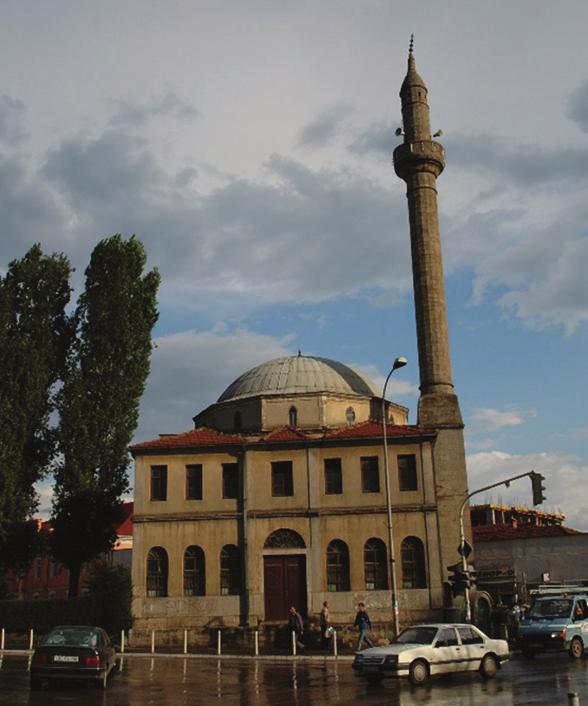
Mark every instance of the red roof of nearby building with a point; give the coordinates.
(125, 529)
(286, 434)
(194, 437)
(373, 429)
(494, 533)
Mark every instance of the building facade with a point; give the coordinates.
(277, 496)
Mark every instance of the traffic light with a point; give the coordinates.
(459, 578)
(538, 487)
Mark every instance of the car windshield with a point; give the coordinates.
(417, 636)
(72, 637)
(552, 608)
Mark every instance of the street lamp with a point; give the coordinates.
(398, 363)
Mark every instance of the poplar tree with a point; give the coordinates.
(104, 380)
(35, 333)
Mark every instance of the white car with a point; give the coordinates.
(422, 651)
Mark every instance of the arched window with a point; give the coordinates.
(230, 570)
(374, 563)
(414, 574)
(293, 417)
(284, 539)
(237, 422)
(157, 572)
(337, 566)
(350, 415)
(194, 576)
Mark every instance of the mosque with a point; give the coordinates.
(277, 496)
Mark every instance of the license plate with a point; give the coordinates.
(66, 658)
(370, 669)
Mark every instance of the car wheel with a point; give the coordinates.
(489, 666)
(36, 684)
(576, 650)
(419, 672)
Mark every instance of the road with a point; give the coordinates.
(166, 681)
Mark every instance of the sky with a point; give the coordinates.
(248, 145)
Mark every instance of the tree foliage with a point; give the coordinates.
(98, 405)
(35, 333)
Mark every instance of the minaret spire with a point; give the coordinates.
(419, 161)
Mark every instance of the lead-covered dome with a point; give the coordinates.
(299, 374)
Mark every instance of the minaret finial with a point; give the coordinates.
(411, 45)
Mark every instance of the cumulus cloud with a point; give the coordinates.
(12, 111)
(564, 474)
(323, 128)
(132, 114)
(488, 419)
(578, 106)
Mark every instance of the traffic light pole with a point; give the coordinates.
(464, 565)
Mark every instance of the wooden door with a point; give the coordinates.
(284, 585)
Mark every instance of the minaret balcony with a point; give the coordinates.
(419, 156)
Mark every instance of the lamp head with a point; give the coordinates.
(399, 363)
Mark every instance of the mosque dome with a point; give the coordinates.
(299, 374)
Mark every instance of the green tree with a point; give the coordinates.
(35, 333)
(99, 402)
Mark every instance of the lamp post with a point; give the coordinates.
(398, 363)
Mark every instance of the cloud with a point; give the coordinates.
(488, 419)
(378, 138)
(578, 106)
(12, 112)
(134, 115)
(564, 475)
(323, 128)
(190, 370)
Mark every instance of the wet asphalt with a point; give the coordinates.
(178, 681)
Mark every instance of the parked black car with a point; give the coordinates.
(73, 652)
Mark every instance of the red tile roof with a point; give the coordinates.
(125, 529)
(374, 429)
(194, 437)
(495, 533)
(286, 434)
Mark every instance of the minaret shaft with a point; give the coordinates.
(419, 161)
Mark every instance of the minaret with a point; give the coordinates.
(419, 161)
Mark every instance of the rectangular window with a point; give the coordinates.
(370, 474)
(158, 482)
(230, 480)
(194, 482)
(333, 477)
(407, 472)
(282, 484)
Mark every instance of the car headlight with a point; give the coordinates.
(359, 659)
(391, 659)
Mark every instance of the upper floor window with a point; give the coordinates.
(407, 472)
(333, 476)
(414, 573)
(337, 566)
(282, 482)
(350, 415)
(230, 480)
(157, 572)
(194, 482)
(230, 570)
(194, 578)
(158, 482)
(293, 417)
(374, 562)
(370, 474)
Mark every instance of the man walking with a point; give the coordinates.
(296, 625)
(363, 624)
(325, 624)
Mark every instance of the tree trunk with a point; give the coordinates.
(74, 580)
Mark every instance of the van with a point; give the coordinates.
(555, 623)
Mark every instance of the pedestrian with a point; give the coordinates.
(325, 624)
(296, 625)
(364, 625)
